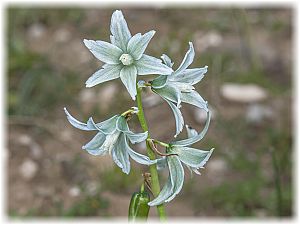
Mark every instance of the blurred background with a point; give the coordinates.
(248, 87)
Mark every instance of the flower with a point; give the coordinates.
(124, 57)
(178, 87)
(112, 138)
(193, 158)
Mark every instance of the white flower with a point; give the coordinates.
(193, 158)
(112, 138)
(124, 57)
(178, 87)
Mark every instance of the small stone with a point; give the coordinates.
(28, 169)
(25, 140)
(74, 191)
(36, 31)
(62, 35)
(204, 41)
(243, 93)
(258, 113)
(36, 150)
(200, 115)
(66, 135)
(260, 213)
(87, 95)
(88, 99)
(92, 188)
(216, 165)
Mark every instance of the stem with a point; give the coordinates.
(153, 171)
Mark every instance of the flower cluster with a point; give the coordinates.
(124, 58)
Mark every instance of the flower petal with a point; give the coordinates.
(119, 30)
(108, 126)
(167, 60)
(188, 59)
(195, 99)
(122, 126)
(138, 44)
(176, 174)
(169, 92)
(128, 76)
(194, 139)
(161, 163)
(76, 123)
(174, 183)
(163, 195)
(191, 156)
(120, 154)
(147, 65)
(178, 117)
(136, 137)
(190, 131)
(159, 82)
(104, 51)
(142, 159)
(93, 147)
(109, 72)
(191, 76)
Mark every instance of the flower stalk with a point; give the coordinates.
(153, 170)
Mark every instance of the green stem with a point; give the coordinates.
(153, 171)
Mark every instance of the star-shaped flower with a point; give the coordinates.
(178, 87)
(112, 138)
(193, 158)
(124, 57)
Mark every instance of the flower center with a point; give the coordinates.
(110, 141)
(126, 59)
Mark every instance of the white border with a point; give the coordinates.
(156, 3)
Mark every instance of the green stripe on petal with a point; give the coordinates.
(191, 76)
(161, 163)
(142, 159)
(178, 117)
(119, 30)
(176, 174)
(104, 51)
(120, 154)
(150, 65)
(136, 137)
(109, 72)
(122, 126)
(169, 92)
(108, 126)
(159, 82)
(138, 44)
(163, 195)
(93, 147)
(195, 99)
(128, 76)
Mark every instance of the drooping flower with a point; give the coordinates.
(112, 138)
(124, 57)
(193, 158)
(178, 87)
